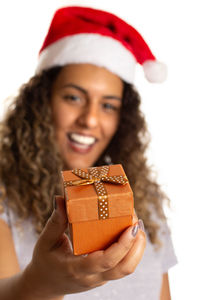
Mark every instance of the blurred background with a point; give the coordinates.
(171, 28)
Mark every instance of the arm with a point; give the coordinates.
(165, 290)
(8, 260)
(55, 271)
(10, 275)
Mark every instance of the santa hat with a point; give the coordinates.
(87, 35)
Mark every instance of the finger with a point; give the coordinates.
(129, 263)
(100, 261)
(56, 225)
(134, 219)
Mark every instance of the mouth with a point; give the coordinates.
(81, 143)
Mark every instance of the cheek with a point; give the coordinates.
(62, 118)
(110, 127)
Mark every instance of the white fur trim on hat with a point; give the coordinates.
(90, 48)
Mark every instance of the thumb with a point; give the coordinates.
(56, 225)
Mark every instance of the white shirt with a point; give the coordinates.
(143, 284)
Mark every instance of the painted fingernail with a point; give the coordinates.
(141, 225)
(135, 230)
(84, 255)
(54, 202)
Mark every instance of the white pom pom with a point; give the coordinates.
(155, 71)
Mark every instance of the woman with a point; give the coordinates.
(80, 110)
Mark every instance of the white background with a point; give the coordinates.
(172, 30)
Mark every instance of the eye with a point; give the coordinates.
(71, 98)
(110, 107)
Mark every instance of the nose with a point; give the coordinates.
(89, 117)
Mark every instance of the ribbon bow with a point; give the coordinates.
(97, 176)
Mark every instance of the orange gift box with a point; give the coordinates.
(99, 204)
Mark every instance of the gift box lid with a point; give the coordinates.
(82, 201)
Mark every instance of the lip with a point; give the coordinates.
(76, 147)
(83, 133)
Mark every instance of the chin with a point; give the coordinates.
(81, 164)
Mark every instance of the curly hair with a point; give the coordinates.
(30, 161)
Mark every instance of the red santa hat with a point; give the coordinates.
(87, 35)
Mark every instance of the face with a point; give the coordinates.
(86, 102)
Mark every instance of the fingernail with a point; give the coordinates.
(54, 202)
(84, 255)
(141, 225)
(135, 230)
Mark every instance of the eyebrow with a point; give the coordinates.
(79, 88)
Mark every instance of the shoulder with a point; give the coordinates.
(4, 212)
(8, 259)
(168, 254)
(18, 238)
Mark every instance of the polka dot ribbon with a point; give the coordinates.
(97, 176)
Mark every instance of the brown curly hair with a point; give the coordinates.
(30, 162)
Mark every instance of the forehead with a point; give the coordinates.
(90, 77)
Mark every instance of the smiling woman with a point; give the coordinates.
(80, 110)
(86, 102)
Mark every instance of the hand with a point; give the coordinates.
(55, 271)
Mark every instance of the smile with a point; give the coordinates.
(81, 143)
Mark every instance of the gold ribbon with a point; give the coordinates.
(97, 176)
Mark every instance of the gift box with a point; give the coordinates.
(99, 203)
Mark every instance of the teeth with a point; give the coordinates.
(82, 139)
